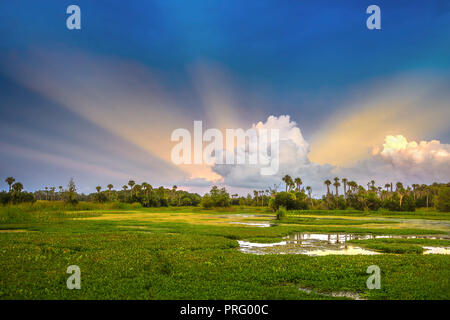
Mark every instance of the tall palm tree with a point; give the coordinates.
(336, 184)
(146, 187)
(415, 189)
(353, 186)
(98, 188)
(309, 189)
(46, 193)
(131, 183)
(400, 190)
(426, 190)
(52, 193)
(387, 185)
(328, 182)
(10, 181)
(109, 186)
(125, 188)
(18, 187)
(60, 192)
(344, 181)
(288, 180)
(298, 182)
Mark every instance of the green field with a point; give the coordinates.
(129, 252)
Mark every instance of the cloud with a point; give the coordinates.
(413, 105)
(395, 160)
(293, 160)
(426, 161)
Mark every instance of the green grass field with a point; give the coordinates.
(129, 252)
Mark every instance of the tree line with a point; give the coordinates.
(340, 194)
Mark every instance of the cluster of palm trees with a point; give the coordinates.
(353, 188)
(134, 189)
(13, 185)
(146, 193)
(50, 193)
(295, 184)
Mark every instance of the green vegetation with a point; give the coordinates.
(295, 197)
(401, 245)
(443, 201)
(157, 243)
(281, 213)
(127, 251)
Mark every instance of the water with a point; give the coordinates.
(254, 224)
(436, 250)
(346, 294)
(321, 244)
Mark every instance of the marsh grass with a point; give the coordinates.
(192, 253)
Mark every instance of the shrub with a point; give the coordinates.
(443, 200)
(373, 202)
(136, 205)
(392, 203)
(216, 198)
(408, 203)
(286, 200)
(281, 213)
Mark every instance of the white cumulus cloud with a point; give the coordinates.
(397, 159)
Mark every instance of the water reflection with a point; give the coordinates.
(254, 224)
(320, 244)
(436, 250)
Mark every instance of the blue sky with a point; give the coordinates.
(306, 59)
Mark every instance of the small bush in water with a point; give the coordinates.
(281, 213)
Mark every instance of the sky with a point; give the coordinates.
(99, 104)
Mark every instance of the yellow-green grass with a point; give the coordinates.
(192, 253)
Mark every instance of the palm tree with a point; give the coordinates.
(109, 186)
(10, 181)
(415, 188)
(17, 187)
(426, 189)
(131, 183)
(125, 187)
(344, 181)
(174, 190)
(298, 182)
(328, 182)
(60, 192)
(147, 187)
(353, 186)
(52, 192)
(288, 180)
(46, 193)
(400, 190)
(337, 185)
(387, 185)
(98, 188)
(309, 189)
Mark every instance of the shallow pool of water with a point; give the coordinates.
(253, 224)
(321, 244)
(436, 250)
